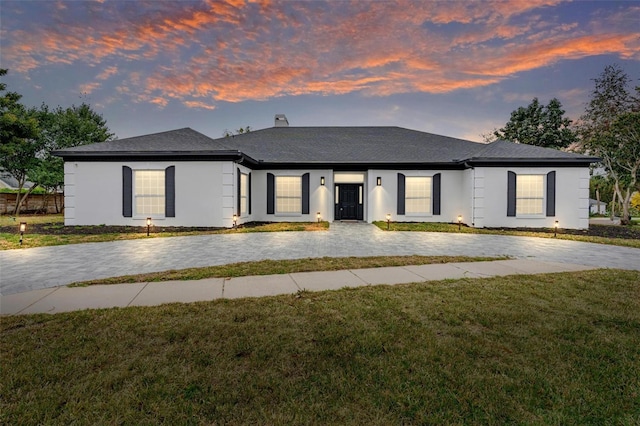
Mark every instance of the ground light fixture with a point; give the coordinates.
(148, 225)
(459, 222)
(555, 228)
(235, 220)
(388, 220)
(23, 227)
(318, 216)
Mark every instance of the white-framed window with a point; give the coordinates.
(244, 194)
(529, 195)
(418, 195)
(148, 192)
(288, 194)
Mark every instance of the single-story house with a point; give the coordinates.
(596, 207)
(184, 178)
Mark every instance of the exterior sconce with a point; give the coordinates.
(322, 180)
(148, 225)
(23, 227)
(379, 181)
(318, 216)
(555, 228)
(235, 220)
(459, 221)
(388, 220)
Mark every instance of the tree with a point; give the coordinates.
(19, 143)
(64, 128)
(539, 125)
(228, 134)
(610, 129)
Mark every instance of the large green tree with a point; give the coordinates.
(540, 125)
(19, 142)
(610, 129)
(64, 128)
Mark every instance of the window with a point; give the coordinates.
(529, 195)
(288, 194)
(418, 195)
(244, 194)
(149, 196)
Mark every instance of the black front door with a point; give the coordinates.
(349, 202)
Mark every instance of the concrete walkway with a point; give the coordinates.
(64, 299)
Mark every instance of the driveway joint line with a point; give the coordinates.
(43, 297)
(137, 294)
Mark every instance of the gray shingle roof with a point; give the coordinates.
(328, 145)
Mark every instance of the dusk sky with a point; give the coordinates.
(456, 68)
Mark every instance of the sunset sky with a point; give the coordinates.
(455, 68)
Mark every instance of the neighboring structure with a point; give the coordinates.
(597, 208)
(184, 178)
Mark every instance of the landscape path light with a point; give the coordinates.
(459, 222)
(23, 227)
(388, 220)
(235, 220)
(148, 225)
(318, 216)
(555, 228)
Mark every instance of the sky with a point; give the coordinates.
(455, 68)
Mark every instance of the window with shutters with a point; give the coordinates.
(418, 195)
(148, 193)
(529, 195)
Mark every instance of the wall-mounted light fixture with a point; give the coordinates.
(459, 221)
(235, 220)
(318, 216)
(322, 180)
(148, 225)
(555, 228)
(379, 181)
(23, 227)
(388, 220)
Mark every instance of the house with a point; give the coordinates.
(596, 207)
(283, 173)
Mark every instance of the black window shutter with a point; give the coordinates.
(305, 193)
(249, 195)
(239, 193)
(551, 193)
(511, 194)
(436, 194)
(401, 183)
(271, 193)
(170, 191)
(127, 191)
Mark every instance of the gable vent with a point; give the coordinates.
(281, 120)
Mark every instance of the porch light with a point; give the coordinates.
(459, 221)
(322, 180)
(23, 227)
(388, 220)
(235, 220)
(148, 225)
(555, 228)
(379, 181)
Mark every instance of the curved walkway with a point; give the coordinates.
(44, 267)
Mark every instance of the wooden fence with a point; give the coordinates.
(35, 203)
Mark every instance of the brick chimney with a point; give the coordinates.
(281, 120)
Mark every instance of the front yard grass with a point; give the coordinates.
(626, 236)
(288, 266)
(542, 349)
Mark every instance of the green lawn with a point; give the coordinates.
(543, 349)
(561, 234)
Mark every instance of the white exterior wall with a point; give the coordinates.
(320, 197)
(572, 198)
(204, 193)
(383, 199)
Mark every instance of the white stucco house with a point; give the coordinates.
(283, 173)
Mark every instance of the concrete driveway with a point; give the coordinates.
(44, 267)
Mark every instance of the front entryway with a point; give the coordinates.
(349, 202)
